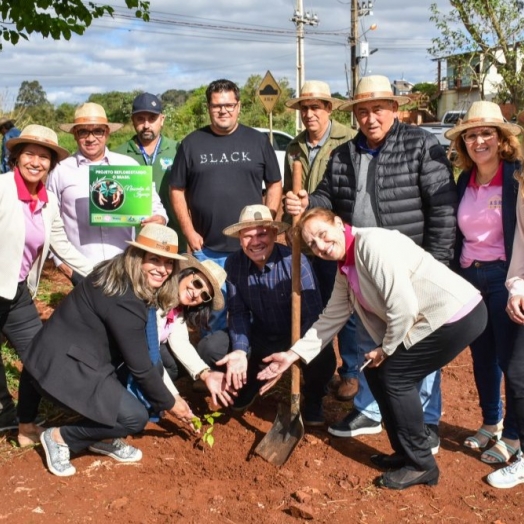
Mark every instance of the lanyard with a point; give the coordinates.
(149, 160)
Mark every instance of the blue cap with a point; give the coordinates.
(147, 102)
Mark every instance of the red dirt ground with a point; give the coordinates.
(326, 479)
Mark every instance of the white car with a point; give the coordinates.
(280, 142)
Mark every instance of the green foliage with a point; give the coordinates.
(209, 419)
(31, 94)
(117, 104)
(9, 357)
(493, 29)
(55, 19)
(430, 90)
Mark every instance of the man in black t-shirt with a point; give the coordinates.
(218, 170)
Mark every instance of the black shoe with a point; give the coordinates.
(8, 420)
(246, 396)
(355, 424)
(313, 414)
(383, 461)
(405, 478)
(433, 438)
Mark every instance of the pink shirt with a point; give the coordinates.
(480, 221)
(34, 223)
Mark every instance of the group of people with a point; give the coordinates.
(404, 266)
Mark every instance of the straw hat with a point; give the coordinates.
(157, 239)
(314, 90)
(41, 136)
(374, 87)
(482, 114)
(213, 272)
(254, 216)
(90, 114)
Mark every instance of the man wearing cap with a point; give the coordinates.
(149, 147)
(217, 171)
(396, 176)
(70, 183)
(313, 148)
(259, 310)
(8, 130)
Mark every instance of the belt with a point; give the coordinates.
(480, 263)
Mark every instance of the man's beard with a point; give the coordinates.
(147, 136)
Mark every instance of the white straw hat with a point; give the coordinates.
(158, 239)
(254, 216)
(90, 114)
(314, 90)
(41, 136)
(374, 87)
(483, 113)
(213, 272)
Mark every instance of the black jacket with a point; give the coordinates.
(415, 190)
(74, 357)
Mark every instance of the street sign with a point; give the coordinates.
(269, 92)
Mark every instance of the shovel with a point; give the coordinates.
(288, 429)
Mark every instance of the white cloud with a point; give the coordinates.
(126, 54)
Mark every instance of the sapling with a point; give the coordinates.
(209, 419)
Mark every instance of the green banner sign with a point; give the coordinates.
(120, 196)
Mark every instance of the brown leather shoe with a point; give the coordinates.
(347, 389)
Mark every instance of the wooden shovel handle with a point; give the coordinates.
(295, 282)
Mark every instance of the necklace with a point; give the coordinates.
(483, 180)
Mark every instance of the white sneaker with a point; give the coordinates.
(57, 455)
(508, 477)
(118, 450)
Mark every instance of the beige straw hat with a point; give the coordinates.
(157, 239)
(213, 272)
(254, 216)
(41, 136)
(482, 114)
(90, 114)
(314, 90)
(374, 87)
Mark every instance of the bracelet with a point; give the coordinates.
(197, 377)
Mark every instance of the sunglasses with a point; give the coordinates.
(485, 134)
(199, 285)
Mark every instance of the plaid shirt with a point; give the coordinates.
(260, 300)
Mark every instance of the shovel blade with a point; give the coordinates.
(280, 441)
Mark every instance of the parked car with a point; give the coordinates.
(449, 119)
(281, 140)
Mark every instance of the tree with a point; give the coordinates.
(30, 94)
(492, 29)
(430, 90)
(55, 19)
(117, 104)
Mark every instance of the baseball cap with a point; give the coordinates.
(147, 102)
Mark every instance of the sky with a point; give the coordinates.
(189, 44)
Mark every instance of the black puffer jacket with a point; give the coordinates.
(415, 190)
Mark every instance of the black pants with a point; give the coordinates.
(515, 378)
(394, 384)
(19, 322)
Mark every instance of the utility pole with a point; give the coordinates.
(353, 42)
(300, 19)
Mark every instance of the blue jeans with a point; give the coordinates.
(492, 349)
(429, 387)
(325, 271)
(515, 379)
(217, 319)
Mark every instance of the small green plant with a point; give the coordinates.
(209, 419)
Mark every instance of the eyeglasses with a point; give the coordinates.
(216, 108)
(199, 285)
(485, 134)
(97, 132)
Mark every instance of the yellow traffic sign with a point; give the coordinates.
(269, 92)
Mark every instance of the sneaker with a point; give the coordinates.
(57, 455)
(118, 449)
(433, 438)
(313, 414)
(347, 389)
(508, 477)
(246, 396)
(355, 424)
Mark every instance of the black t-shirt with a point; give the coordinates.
(221, 175)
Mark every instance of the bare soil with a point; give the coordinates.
(326, 480)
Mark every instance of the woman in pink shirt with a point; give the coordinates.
(489, 153)
(30, 226)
